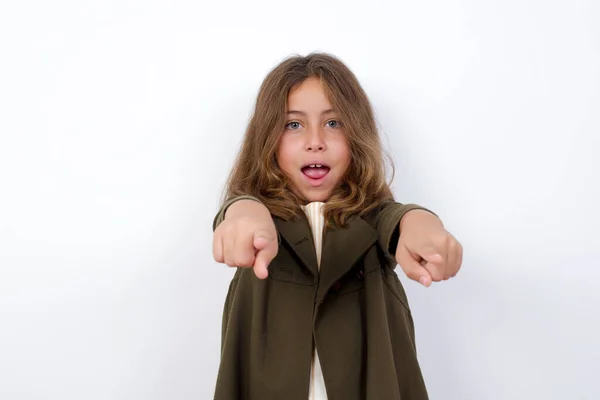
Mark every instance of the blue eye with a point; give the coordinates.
(333, 124)
(293, 125)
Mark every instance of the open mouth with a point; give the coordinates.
(315, 171)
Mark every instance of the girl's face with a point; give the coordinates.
(313, 151)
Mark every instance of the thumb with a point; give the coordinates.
(412, 267)
(261, 239)
(430, 255)
(266, 249)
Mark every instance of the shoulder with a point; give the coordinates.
(374, 212)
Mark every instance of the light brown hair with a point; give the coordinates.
(256, 172)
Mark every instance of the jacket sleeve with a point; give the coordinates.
(227, 307)
(221, 214)
(388, 224)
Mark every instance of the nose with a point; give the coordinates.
(315, 140)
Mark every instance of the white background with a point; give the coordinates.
(119, 121)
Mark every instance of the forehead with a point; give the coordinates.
(308, 96)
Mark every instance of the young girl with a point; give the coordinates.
(315, 309)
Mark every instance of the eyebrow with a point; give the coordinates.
(331, 110)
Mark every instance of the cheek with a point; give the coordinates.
(343, 152)
(284, 153)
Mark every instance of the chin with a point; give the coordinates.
(309, 194)
(310, 197)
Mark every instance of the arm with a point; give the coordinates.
(416, 238)
(225, 207)
(388, 223)
(245, 235)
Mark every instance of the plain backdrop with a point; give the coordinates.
(119, 121)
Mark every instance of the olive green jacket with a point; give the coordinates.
(354, 311)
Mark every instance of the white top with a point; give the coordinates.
(314, 213)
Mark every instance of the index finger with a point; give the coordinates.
(263, 258)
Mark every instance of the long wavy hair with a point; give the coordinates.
(255, 171)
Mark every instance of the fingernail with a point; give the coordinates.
(424, 281)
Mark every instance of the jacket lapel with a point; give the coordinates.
(298, 235)
(342, 248)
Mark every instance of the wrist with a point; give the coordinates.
(418, 217)
(245, 207)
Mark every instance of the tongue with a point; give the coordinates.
(315, 173)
